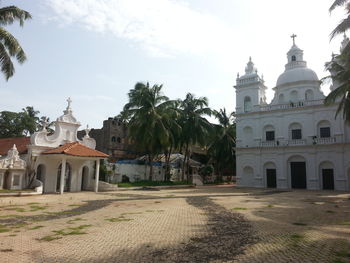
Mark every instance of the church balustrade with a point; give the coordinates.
(269, 143)
(290, 105)
(327, 140)
(296, 142)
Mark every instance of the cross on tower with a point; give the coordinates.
(69, 102)
(293, 36)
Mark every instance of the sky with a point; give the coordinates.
(95, 51)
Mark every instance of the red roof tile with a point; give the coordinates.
(21, 144)
(76, 149)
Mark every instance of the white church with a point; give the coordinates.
(295, 141)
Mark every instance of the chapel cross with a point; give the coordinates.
(69, 102)
(293, 36)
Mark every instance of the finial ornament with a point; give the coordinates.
(69, 100)
(45, 123)
(87, 130)
(293, 36)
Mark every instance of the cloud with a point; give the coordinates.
(160, 27)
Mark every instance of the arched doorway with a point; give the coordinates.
(327, 175)
(270, 175)
(40, 174)
(67, 178)
(297, 166)
(248, 176)
(84, 178)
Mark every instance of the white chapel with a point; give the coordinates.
(295, 141)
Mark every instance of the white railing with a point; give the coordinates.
(327, 140)
(268, 144)
(290, 105)
(296, 142)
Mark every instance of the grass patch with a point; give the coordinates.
(169, 195)
(299, 224)
(18, 225)
(239, 208)
(12, 235)
(50, 238)
(74, 205)
(33, 203)
(35, 227)
(150, 211)
(4, 229)
(330, 211)
(34, 208)
(346, 223)
(153, 183)
(157, 202)
(270, 206)
(11, 216)
(16, 191)
(72, 221)
(118, 219)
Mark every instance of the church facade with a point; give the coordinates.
(295, 141)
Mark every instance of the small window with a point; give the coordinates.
(296, 134)
(294, 58)
(270, 135)
(119, 140)
(325, 132)
(113, 139)
(16, 178)
(247, 104)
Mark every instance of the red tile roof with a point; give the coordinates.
(76, 149)
(21, 144)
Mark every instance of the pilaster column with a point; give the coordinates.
(97, 175)
(63, 174)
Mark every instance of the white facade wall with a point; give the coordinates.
(299, 107)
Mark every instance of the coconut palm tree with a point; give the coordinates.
(9, 46)
(195, 127)
(339, 66)
(149, 114)
(344, 25)
(221, 150)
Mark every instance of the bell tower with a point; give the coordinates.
(250, 90)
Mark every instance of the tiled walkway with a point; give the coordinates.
(209, 224)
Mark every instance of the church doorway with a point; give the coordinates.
(40, 174)
(298, 175)
(328, 179)
(67, 178)
(271, 178)
(84, 178)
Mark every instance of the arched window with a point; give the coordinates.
(295, 131)
(324, 129)
(294, 96)
(248, 136)
(119, 140)
(40, 173)
(309, 95)
(247, 104)
(113, 139)
(269, 133)
(294, 58)
(281, 99)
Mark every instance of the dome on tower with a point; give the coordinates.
(296, 69)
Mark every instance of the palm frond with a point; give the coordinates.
(10, 14)
(7, 67)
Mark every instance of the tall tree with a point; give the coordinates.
(9, 46)
(195, 127)
(30, 120)
(149, 119)
(221, 150)
(339, 66)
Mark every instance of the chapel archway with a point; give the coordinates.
(84, 178)
(40, 174)
(67, 178)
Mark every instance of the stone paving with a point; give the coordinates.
(203, 224)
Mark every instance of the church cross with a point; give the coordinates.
(293, 36)
(69, 102)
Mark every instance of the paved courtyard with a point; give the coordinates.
(203, 224)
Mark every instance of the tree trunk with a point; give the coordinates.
(150, 159)
(184, 164)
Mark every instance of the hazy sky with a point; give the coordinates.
(94, 51)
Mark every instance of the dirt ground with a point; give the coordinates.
(203, 224)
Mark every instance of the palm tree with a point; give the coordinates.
(339, 66)
(344, 25)
(195, 127)
(149, 119)
(9, 46)
(223, 143)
